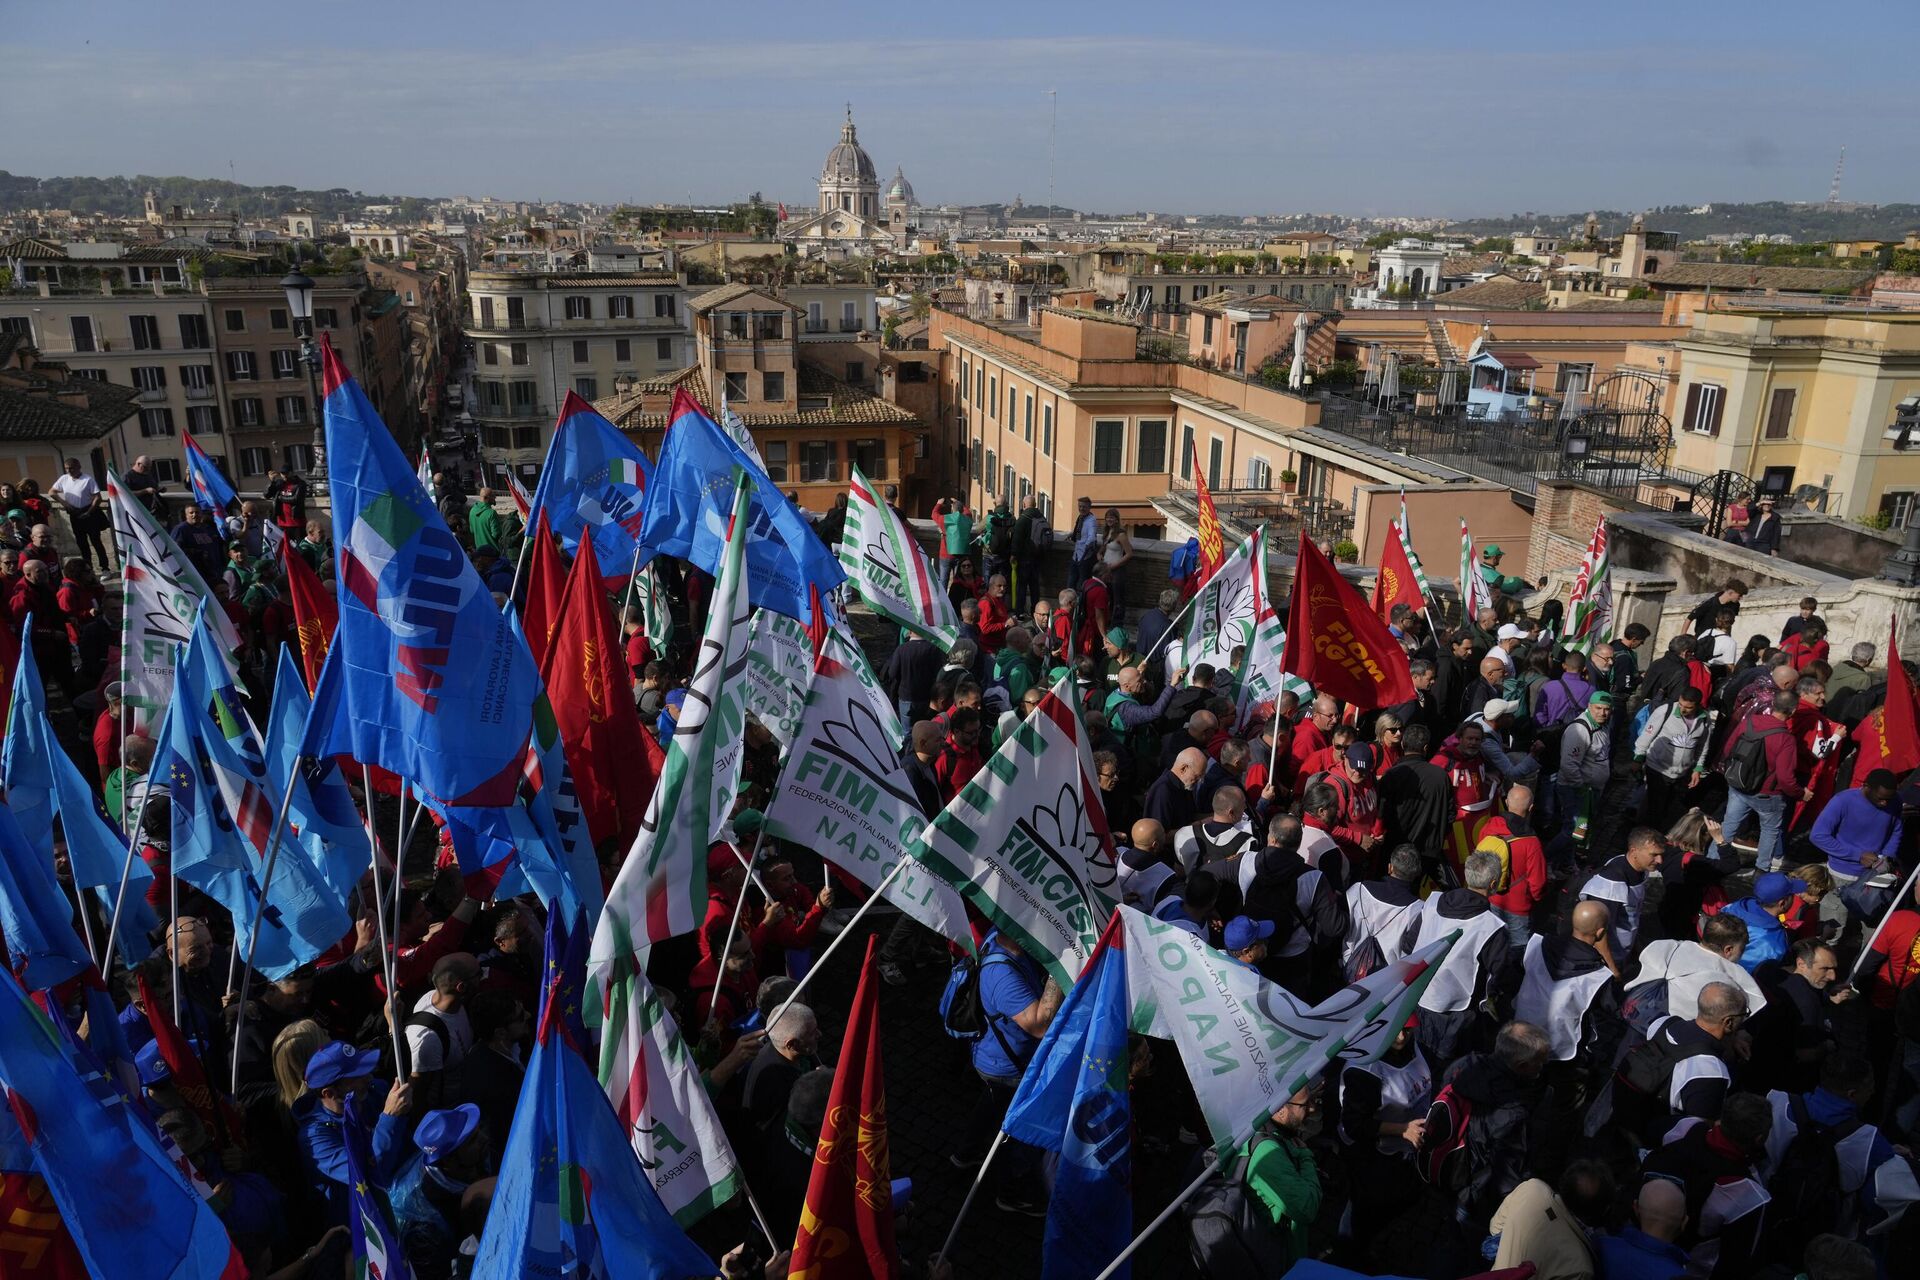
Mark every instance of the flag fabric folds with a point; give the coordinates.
(1224, 610)
(1420, 582)
(153, 1226)
(846, 1221)
(210, 488)
(546, 585)
(656, 611)
(1259, 681)
(1395, 581)
(594, 480)
(435, 687)
(890, 571)
(162, 592)
(779, 673)
(1026, 840)
(315, 613)
(1590, 608)
(1475, 594)
(1335, 643)
(1213, 547)
(323, 824)
(522, 500)
(36, 920)
(377, 1252)
(687, 506)
(591, 694)
(661, 890)
(1073, 1099)
(572, 1198)
(189, 1074)
(1889, 737)
(1247, 1043)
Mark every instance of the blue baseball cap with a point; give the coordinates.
(1774, 887)
(153, 1068)
(440, 1133)
(339, 1061)
(1244, 931)
(676, 698)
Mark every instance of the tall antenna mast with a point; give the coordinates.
(1053, 131)
(1833, 192)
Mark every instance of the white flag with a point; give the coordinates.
(656, 1090)
(890, 571)
(163, 593)
(844, 794)
(736, 426)
(1247, 1043)
(1225, 610)
(779, 673)
(1026, 840)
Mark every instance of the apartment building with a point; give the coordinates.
(431, 295)
(47, 415)
(540, 333)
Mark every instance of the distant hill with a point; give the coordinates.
(1806, 223)
(125, 197)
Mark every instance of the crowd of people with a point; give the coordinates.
(1660, 1047)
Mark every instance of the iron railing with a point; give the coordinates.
(1283, 511)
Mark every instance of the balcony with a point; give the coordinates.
(816, 326)
(502, 324)
(200, 393)
(851, 326)
(151, 395)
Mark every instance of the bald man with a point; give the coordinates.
(1170, 800)
(1647, 1248)
(1680, 1071)
(1132, 717)
(1570, 988)
(1146, 869)
(1196, 731)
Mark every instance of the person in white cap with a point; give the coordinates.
(1497, 717)
(1509, 638)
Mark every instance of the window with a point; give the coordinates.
(870, 456)
(518, 353)
(526, 437)
(1006, 482)
(849, 317)
(489, 353)
(17, 324)
(197, 379)
(587, 389)
(619, 307)
(277, 318)
(1046, 429)
(582, 352)
(975, 468)
(292, 410)
(1206, 330)
(236, 320)
(979, 381)
(663, 349)
(1780, 413)
(97, 375)
(665, 307)
(965, 379)
(773, 386)
(736, 324)
(993, 397)
(623, 350)
(1186, 451)
(299, 458)
(193, 333)
(325, 318)
(240, 366)
(1705, 402)
(167, 470)
(203, 419)
(992, 468)
(516, 313)
(520, 399)
(151, 378)
(856, 372)
(1570, 378)
(286, 363)
(774, 453)
(816, 318)
(1259, 474)
(1046, 505)
(579, 306)
(1026, 421)
(1898, 508)
(82, 332)
(247, 411)
(256, 461)
(156, 422)
(1012, 405)
(1109, 443)
(1216, 448)
(1151, 443)
(493, 396)
(816, 460)
(146, 332)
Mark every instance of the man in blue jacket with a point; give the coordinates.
(340, 1081)
(1859, 831)
(1766, 935)
(1646, 1249)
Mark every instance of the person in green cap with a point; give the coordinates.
(1490, 556)
(483, 522)
(1586, 763)
(1120, 653)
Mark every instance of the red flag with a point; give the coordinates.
(816, 625)
(846, 1223)
(591, 693)
(315, 612)
(34, 1241)
(1335, 643)
(1213, 547)
(222, 1121)
(1898, 728)
(1394, 583)
(546, 583)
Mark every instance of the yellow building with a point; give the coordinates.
(1802, 397)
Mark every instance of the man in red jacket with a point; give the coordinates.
(959, 757)
(1472, 781)
(1769, 800)
(1359, 828)
(1816, 762)
(1509, 833)
(995, 615)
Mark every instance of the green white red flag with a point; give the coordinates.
(656, 614)
(1590, 609)
(1225, 610)
(779, 673)
(888, 569)
(1475, 594)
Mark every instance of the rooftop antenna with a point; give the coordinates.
(1833, 192)
(1053, 130)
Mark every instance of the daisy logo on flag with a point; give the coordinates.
(1061, 835)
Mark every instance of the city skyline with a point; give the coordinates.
(1418, 118)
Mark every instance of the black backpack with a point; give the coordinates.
(1807, 1197)
(1229, 1232)
(999, 537)
(1040, 534)
(1746, 767)
(961, 1011)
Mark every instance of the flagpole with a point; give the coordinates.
(133, 841)
(626, 602)
(259, 910)
(759, 1216)
(1906, 891)
(979, 1177)
(1133, 1247)
(733, 926)
(173, 923)
(86, 920)
(844, 934)
(388, 959)
(400, 834)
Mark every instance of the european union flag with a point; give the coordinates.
(571, 1198)
(594, 478)
(691, 498)
(435, 688)
(565, 988)
(321, 820)
(1074, 1100)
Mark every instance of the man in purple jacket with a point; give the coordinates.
(1859, 831)
(1566, 695)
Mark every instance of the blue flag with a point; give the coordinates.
(565, 986)
(434, 687)
(691, 498)
(321, 819)
(1073, 1099)
(377, 1252)
(572, 1198)
(223, 813)
(130, 1211)
(594, 479)
(35, 917)
(210, 488)
(26, 766)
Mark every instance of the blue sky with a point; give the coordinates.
(1387, 108)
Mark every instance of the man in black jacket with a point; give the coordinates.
(1416, 799)
(1666, 675)
(1707, 612)
(1506, 1090)
(910, 672)
(1452, 674)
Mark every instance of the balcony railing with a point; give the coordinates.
(151, 395)
(501, 324)
(199, 393)
(851, 326)
(816, 326)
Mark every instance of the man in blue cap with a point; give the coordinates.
(340, 1079)
(1246, 940)
(454, 1154)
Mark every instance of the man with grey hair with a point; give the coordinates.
(1506, 1091)
(1847, 686)
(1452, 1005)
(1386, 913)
(790, 1051)
(1680, 1070)
(1170, 800)
(1152, 629)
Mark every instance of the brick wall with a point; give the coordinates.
(1563, 518)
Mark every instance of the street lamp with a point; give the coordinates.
(299, 287)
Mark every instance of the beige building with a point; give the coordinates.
(851, 219)
(48, 415)
(539, 334)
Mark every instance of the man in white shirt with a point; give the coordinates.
(80, 499)
(438, 1032)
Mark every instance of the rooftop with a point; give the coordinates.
(726, 293)
(1502, 294)
(44, 401)
(846, 405)
(1742, 275)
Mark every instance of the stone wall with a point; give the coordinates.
(1839, 545)
(1699, 564)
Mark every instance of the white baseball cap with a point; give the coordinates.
(1513, 631)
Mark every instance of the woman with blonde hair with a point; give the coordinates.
(297, 1042)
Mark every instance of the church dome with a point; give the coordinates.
(900, 189)
(848, 161)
